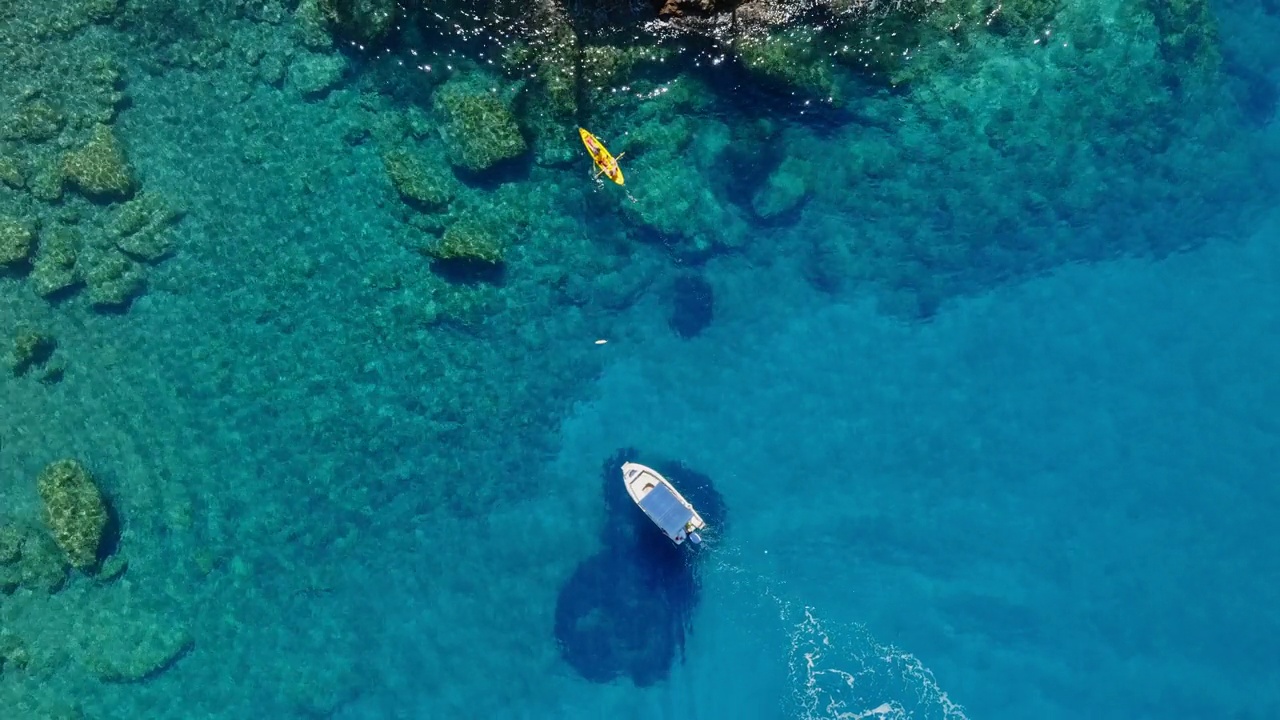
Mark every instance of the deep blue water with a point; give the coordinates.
(974, 381)
(1051, 497)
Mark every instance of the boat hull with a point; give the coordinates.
(659, 500)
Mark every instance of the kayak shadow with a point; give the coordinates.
(626, 610)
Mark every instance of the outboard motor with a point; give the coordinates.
(695, 537)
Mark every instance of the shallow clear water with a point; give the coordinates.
(973, 381)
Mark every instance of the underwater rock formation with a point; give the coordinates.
(31, 348)
(74, 511)
(54, 267)
(99, 169)
(113, 280)
(313, 75)
(16, 241)
(783, 191)
(698, 15)
(13, 653)
(625, 611)
(479, 128)
(10, 544)
(141, 228)
(30, 559)
(467, 240)
(364, 22)
(421, 183)
(137, 649)
(10, 554)
(692, 306)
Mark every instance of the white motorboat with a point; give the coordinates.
(659, 500)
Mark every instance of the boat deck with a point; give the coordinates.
(666, 510)
(661, 502)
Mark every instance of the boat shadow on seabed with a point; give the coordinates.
(626, 609)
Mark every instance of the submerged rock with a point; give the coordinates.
(16, 241)
(43, 566)
(31, 348)
(113, 280)
(468, 240)
(112, 568)
(141, 228)
(363, 22)
(420, 182)
(74, 510)
(314, 74)
(11, 173)
(13, 653)
(10, 545)
(136, 648)
(99, 169)
(479, 129)
(54, 267)
(682, 8)
(35, 121)
(783, 192)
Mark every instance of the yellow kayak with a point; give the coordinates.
(607, 163)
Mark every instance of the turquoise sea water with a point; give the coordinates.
(973, 378)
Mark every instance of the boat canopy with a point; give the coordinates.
(665, 509)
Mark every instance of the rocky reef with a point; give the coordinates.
(479, 129)
(67, 175)
(30, 559)
(74, 510)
